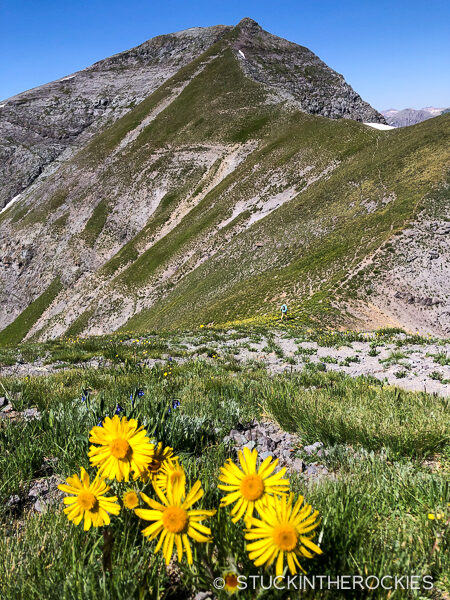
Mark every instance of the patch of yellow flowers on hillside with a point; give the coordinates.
(279, 528)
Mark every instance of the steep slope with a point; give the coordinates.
(211, 200)
(50, 122)
(37, 126)
(296, 74)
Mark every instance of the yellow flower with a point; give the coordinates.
(171, 473)
(165, 374)
(431, 516)
(201, 326)
(124, 448)
(159, 457)
(174, 522)
(282, 531)
(250, 487)
(88, 500)
(130, 499)
(231, 582)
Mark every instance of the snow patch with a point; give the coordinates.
(10, 203)
(380, 126)
(67, 78)
(241, 53)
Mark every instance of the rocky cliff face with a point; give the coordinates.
(296, 74)
(37, 126)
(51, 121)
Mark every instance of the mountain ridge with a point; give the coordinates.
(39, 125)
(213, 200)
(410, 116)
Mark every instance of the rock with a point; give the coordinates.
(3, 401)
(44, 492)
(271, 445)
(8, 408)
(311, 469)
(297, 465)
(264, 435)
(264, 455)
(203, 596)
(39, 506)
(13, 500)
(31, 414)
(313, 448)
(240, 439)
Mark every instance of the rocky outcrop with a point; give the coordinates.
(37, 126)
(296, 74)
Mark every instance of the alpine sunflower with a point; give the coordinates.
(231, 582)
(250, 487)
(159, 458)
(282, 530)
(173, 521)
(130, 499)
(88, 500)
(124, 448)
(170, 473)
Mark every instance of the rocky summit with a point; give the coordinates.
(207, 176)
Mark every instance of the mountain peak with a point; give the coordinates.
(248, 23)
(158, 187)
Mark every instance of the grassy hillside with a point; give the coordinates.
(311, 242)
(211, 202)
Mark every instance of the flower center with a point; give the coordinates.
(175, 519)
(120, 448)
(252, 487)
(285, 537)
(154, 465)
(130, 500)
(87, 500)
(231, 580)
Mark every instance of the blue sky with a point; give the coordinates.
(395, 54)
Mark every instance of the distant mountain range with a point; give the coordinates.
(209, 176)
(411, 116)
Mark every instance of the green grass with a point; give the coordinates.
(374, 511)
(96, 222)
(38, 214)
(358, 412)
